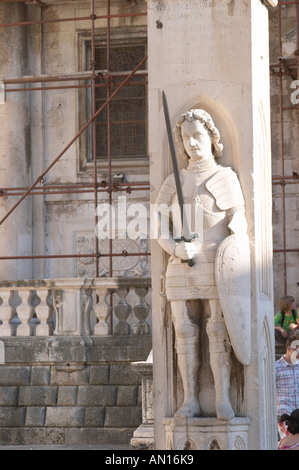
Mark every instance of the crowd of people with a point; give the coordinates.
(286, 324)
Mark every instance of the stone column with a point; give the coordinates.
(143, 437)
(214, 55)
(16, 230)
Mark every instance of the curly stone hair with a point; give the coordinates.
(204, 118)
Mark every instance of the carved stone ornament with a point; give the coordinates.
(129, 266)
(270, 3)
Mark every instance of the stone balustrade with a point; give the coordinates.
(103, 306)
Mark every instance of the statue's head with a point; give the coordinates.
(204, 118)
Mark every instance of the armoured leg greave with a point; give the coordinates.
(220, 360)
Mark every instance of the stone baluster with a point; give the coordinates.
(42, 310)
(5, 313)
(122, 310)
(102, 312)
(57, 302)
(141, 311)
(25, 312)
(51, 320)
(86, 305)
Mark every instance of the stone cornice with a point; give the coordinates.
(270, 3)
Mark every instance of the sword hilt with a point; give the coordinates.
(190, 262)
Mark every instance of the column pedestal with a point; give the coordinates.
(143, 437)
(206, 434)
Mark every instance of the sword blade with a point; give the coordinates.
(175, 166)
(176, 171)
(186, 232)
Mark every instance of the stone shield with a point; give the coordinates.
(232, 270)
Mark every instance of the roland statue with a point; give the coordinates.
(219, 273)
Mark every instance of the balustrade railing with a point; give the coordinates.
(102, 306)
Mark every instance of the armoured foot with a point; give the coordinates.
(189, 409)
(225, 411)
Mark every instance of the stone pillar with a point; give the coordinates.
(214, 55)
(16, 230)
(143, 437)
(207, 434)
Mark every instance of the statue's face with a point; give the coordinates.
(197, 140)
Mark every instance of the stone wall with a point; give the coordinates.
(285, 157)
(71, 390)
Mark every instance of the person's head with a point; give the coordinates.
(292, 348)
(286, 303)
(292, 421)
(197, 135)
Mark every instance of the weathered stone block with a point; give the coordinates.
(30, 435)
(35, 416)
(14, 375)
(123, 416)
(98, 395)
(67, 395)
(71, 350)
(124, 374)
(26, 349)
(40, 375)
(98, 435)
(127, 395)
(64, 416)
(69, 374)
(99, 375)
(38, 395)
(94, 416)
(120, 349)
(8, 396)
(11, 416)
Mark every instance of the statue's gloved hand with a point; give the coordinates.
(187, 250)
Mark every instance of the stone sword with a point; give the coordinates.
(178, 183)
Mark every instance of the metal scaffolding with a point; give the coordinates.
(95, 78)
(282, 68)
(285, 67)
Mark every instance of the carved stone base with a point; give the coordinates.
(143, 438)
(206, 434)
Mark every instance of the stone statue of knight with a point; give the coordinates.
(220, 254)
